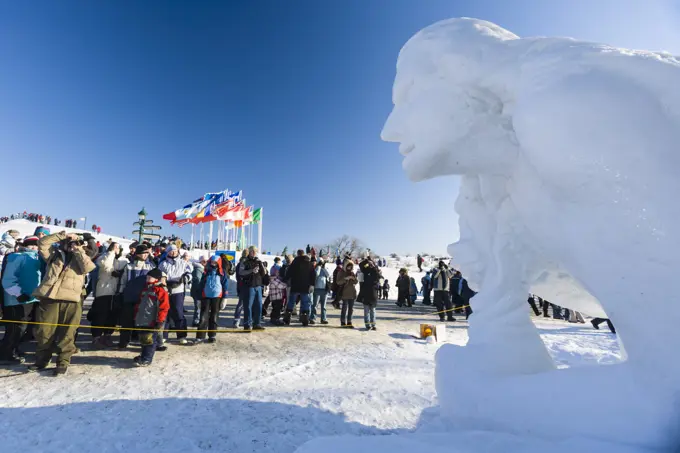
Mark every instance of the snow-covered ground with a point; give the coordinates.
(260, 392)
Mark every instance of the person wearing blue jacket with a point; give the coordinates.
(213, 288)
(21, 277)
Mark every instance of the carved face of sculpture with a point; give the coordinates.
(444, 121)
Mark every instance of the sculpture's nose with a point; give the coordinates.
(391, 130)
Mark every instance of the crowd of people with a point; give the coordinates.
(561, 313)
(46, 277)
(45, 219)
(441, 286)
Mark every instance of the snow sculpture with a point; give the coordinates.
(568, 153)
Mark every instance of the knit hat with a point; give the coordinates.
(155, 273)
(30, 240)
(134, 245)
(41, 229)
(171, 247)
(141, 249)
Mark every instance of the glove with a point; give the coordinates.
(223, 304)
(311, 288)
(23, 298)
(116, 273)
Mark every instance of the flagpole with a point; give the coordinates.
(219, 234)
(191, 244)
(259, 232)
(202, 240)
(210, 239)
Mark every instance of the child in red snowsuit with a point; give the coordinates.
(151, 312)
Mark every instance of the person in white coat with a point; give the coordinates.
(176, 269)
(104, 310)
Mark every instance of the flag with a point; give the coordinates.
(199, 208)
(257, 215)
(236, 196)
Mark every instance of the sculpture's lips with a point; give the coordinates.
(405, 149)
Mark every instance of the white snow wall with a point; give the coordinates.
(568, 153)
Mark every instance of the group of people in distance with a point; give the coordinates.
(304, 279)
(443, 286)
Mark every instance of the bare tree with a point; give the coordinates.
(345, 245)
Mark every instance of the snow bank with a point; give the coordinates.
(568, 154)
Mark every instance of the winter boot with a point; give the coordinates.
(304, 318)
(107, 340)
(286, 317)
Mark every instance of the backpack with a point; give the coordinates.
(213, 285)
(266, 279)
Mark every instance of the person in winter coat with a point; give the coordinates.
(420, 263)
(413, 291)
(276, 267)
(8, 242)
(532, 303)
(132, 282)
(196, 294)
(386, 289)
(404, 288)
(241, 290)
(597, 321)
(60, 294)
(277, 295)
(213, 288)
(461, 294)
(301, 277)
(20, 278)
(321, 285)
(104, 310)
(151, 312)
(441, 278)
(334, 284)
(176, 268)
(252, 272)
(347, 281)
(426, 281)
(368, 289)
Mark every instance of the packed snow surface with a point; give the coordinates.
(261, 392)
(568, 156)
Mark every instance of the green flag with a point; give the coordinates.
(257, 215)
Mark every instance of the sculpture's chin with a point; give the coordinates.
(420, 166)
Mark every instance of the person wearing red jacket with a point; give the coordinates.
(151, 312)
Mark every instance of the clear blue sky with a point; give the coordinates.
(106, 107)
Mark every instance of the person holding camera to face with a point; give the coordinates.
(69, 260)
(441, 278)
